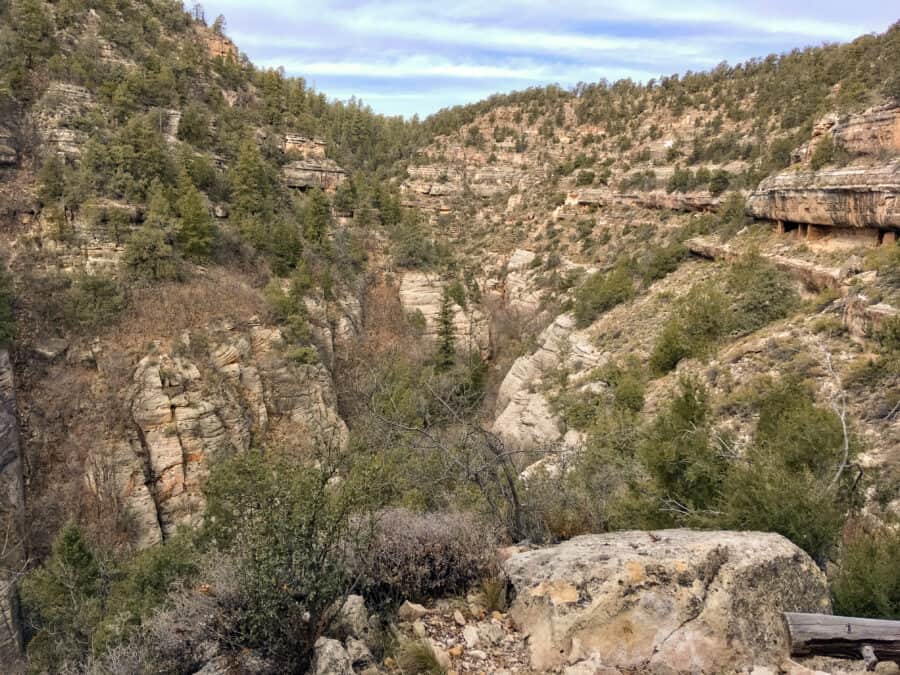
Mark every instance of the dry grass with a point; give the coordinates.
(167, 310)
(493, 590)
(416, 657)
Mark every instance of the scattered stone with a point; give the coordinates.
(470, 635)
(330, 658)
(459, 618)
(455, 651)
(410, 611)
(443, 658)
(353, 619)
(490, 632)
(51, 348)
(359, 653)
(477, 654)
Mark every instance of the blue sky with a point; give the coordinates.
(408, 56)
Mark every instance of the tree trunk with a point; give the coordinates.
(845, 637)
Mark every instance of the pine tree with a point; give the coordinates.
(316, 217)
(52, 180)
(159, 208)
(446, 354)
(197, 233)
(34, 30)
(251, 187)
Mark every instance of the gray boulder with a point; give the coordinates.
(694, 601)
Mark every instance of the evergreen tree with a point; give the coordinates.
(62, 600)
(7, 319)
(148, 255)
(34, 30)
(197, 233)
(52, 180)
(316, 217)
(446, 353)
(251, 186)
(159, 208)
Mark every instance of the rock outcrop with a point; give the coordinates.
(12, 506)
(310, 168)
(865, 194)
(8, 155)
(423, 293)
(304, 174)
(219, 47)
(872, 132)
(199, 402)
(525, 418)
(811, 275)
(57, 115)
(693, 601)
(853, 196)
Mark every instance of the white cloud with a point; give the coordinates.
(516, 43)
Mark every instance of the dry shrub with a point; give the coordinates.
(167, 310)
(195, 623)
(417, 556)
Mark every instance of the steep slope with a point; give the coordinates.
(210, 259)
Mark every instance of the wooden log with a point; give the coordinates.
(843, 637)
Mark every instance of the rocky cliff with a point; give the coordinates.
(209, 395)
(863, 194)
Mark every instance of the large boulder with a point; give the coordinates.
(692, 601)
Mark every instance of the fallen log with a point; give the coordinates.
(843, 637)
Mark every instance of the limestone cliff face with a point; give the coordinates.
(199, 401)
(310, 168)
(422, 292)
(56, 117)
(12, 505)
(865, 194)
(853, 196)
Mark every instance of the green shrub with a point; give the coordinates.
(888, 336)
(62, 601)
(699, 321)
(92, 301)
(80, 603)
(601, 292)
(786, 482)
(585, 178)
(867, 582)
(762, 293)
(732, 215)
(719, 182)
(827, 151)
(149, 256)
(412, 248)
(660, 261)
(457, 292)
(293, 533)
(679, 453)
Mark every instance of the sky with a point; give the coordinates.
(405, 57)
